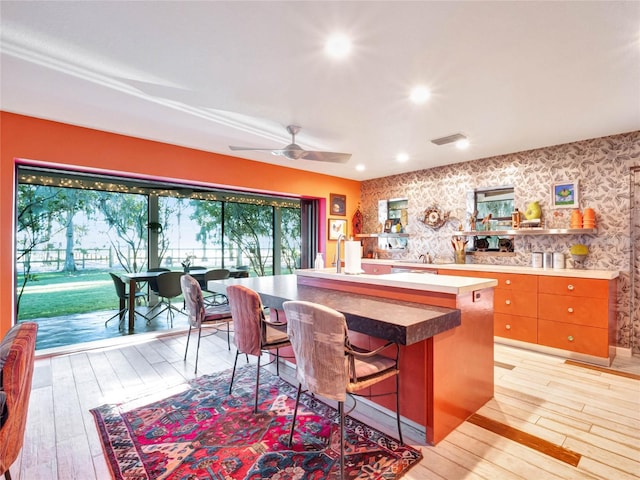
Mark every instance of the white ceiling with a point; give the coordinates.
(511, 76)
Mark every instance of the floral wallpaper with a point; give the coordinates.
(601, 166)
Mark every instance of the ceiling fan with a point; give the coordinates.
(294, 151)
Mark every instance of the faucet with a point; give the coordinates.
(341, 237)
(426, 258)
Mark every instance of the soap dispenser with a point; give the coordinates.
(319, 263)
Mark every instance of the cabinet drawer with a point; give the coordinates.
(576, 338)
(515, 327)
(524, 304)
(570, 309)
(577, 287)
(514, 281)
(376, 269)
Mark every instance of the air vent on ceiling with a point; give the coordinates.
(449, 139)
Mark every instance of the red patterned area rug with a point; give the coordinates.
(204, 433)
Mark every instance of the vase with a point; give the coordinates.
(460, 256)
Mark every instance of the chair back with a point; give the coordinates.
(216, 274)
(16, 373)
(193, 300)
(247, 313)
(153, 283)
(317, 335)
(121, 287)
(169, 284)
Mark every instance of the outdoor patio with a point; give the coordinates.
(78, 331)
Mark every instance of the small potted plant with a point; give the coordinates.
(579, 254)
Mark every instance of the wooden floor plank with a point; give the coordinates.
(589, 411)
(531, 441)
(608, 371)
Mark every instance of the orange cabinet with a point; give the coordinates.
(576, 338)
(515, 327)
(575, 287)
(568, 313)
(577, 310)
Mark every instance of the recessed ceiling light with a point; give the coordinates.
(338, 46)
(402, 157)
(419, 94)
(360, 168)
(463, 143)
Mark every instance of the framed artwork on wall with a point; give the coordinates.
(338, 204)
(337, 227)
(564, 195)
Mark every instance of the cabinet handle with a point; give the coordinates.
(570, 310)
(570, 338)
(508, 327)
(570, 287)
(508, 302)
(508, 282)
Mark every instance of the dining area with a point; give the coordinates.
(159, 287)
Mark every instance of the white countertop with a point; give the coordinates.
(410, 280)
(560, 272)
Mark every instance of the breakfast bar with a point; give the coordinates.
(442, 324)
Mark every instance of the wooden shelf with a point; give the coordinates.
(530, 231)
(382, 235)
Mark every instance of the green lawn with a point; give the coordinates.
(58, 294)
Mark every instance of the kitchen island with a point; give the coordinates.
(443, 325)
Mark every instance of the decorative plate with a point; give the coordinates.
(434, 218)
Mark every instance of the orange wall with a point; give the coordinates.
(31, 140)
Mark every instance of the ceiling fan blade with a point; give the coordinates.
(332, 157)
(294, 151)
(250, 148)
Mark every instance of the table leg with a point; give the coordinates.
(132, 304)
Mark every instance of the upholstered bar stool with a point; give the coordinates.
(254, 332)
(328, 365)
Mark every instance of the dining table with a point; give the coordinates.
(134, 278)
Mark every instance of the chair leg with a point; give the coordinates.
(398, 408)
(233, 374)
(341, 411)
(188, 337)
(7, 475)
(117, 314)
(228, 337)
(198, 348)
(255, 407)
(295, 414)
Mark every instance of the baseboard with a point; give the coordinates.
(624, 352)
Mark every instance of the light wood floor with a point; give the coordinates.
(593, 414)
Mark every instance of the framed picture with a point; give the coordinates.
(338, 204)
(337, 226)
(564, 195)
(387, 226)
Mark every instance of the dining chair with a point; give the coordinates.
(254, 332)
(168, 288)
(123, 296)
(214, 298)
(200, 314)
(153, 283)
(328, 365)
